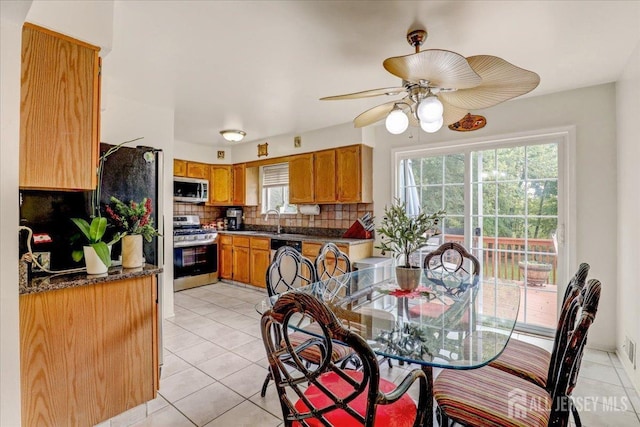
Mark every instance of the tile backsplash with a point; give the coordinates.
(207, 214)
(333, 219)
(331, 216)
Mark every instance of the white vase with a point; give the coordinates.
(93, 262)
(132, 251)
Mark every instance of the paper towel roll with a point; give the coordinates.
(309, 209)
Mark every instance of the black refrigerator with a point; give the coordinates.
(133, 173)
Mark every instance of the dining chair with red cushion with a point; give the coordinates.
(327, 394)
(490, 397)
(290, 270)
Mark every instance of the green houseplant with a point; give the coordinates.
(403, 234)
(93, 233)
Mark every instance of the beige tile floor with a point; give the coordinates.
(214, 366)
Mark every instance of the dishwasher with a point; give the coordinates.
(288, 268)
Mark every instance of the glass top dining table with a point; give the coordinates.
(447, 321)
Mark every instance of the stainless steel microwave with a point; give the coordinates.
(190, 190)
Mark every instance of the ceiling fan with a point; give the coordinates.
(440, 87)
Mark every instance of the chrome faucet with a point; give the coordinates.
(266, 217)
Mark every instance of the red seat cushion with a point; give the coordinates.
(399, 414)
(526, 361)
(489, 397)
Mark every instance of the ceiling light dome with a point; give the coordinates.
(233, 135)
(397, 121)
(430, 109)
(431, 127)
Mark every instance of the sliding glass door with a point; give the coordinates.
(502, 203)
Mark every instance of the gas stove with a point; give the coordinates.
(188, 232)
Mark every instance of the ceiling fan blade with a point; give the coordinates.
(366, 93)
(501, 81)
(374, 114)
(452, 113)
(441, 68)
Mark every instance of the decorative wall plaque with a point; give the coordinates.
(221, 154)
(468, 123)
(263, 149)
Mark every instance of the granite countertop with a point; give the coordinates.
(297, 237)
(72, 280)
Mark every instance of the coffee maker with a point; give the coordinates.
(234, 219)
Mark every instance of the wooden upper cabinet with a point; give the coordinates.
(221, 185)
(179, 167)
(245, 185)
(59, 111)
(197, 170)
(354, 174)
(239, 184)
(301, 178)
(325, 176)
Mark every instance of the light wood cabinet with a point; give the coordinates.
(260, 257)
(325, 176)
(179, 167)
(239, 184)
(301, 179)
(59, 111)
(354, 174)
(221, 185)
(241, 271)
(245, 185)
(225, 266)
(355, 252)
(197, 170)
(88, 353)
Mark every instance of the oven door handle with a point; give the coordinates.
(191, 243)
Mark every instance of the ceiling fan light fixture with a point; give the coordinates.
(397, 121)
(431, 127)
(233, 135)
(430, 109)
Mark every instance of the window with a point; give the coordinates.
(504, 201)
(275, 189)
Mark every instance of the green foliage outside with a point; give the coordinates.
(508, 185)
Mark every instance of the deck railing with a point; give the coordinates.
(503, 255)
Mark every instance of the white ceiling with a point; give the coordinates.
(262, 65)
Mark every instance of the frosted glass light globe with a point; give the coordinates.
(430, 109)
(431, 127)
(397, 122)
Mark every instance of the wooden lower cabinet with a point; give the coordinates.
(354, 252)
(260, 257)
(241, 264)
(225, 265)
(88, 353)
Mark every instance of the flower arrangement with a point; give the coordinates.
(133, 218)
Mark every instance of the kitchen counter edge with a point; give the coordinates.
(297, 237)
(73, 280)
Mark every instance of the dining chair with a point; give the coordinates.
(490, 397)
(455, 269)
(331, 262)
(328, 394)
(532, 362)
(290, 270)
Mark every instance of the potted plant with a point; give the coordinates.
(97, 254)
(135, 222)
(402, 235)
